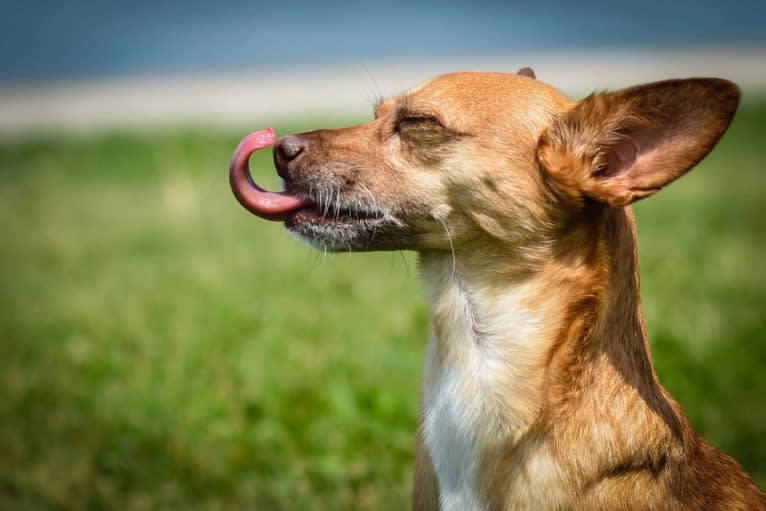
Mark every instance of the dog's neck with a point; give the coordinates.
(491, 330)
(519, 346)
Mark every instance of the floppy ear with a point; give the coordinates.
(623, 146)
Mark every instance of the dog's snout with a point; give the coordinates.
(288, 149)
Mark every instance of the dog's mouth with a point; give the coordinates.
(287, 205)
(337, 227)
(331, 215)
(334, 223)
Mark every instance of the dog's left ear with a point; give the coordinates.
(623, 146)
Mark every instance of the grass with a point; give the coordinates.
(161, 348)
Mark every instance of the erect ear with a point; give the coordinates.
(526, 71)
(623, 146)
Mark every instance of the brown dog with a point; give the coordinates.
(539, 391)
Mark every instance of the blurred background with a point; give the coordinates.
(161, 348)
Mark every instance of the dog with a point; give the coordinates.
(538, 387)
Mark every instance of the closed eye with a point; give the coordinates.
(419, 122)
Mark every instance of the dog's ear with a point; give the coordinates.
(623, 146)
(526, 71)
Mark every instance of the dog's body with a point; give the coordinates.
(539, 391)
(533, 400)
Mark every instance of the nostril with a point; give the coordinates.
(289, 148)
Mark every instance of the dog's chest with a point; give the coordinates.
(455, 426)
(464, 427)
(482, 385)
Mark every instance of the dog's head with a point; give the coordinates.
(472, 157)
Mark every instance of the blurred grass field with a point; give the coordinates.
(160, 348)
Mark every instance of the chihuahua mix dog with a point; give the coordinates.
(538, 389)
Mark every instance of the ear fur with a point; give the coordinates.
(620, 147)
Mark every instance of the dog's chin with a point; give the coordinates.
(347, 230)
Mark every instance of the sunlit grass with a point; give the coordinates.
(162, 348)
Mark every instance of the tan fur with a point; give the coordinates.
(539, 390)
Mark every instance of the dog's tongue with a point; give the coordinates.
(265, 204)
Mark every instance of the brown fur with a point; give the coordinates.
(517, 200)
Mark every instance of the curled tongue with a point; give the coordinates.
(265, 204)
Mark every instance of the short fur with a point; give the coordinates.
(538, 388)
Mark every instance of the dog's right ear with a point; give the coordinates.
(619, 147)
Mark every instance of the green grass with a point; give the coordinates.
(161, 348)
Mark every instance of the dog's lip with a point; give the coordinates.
(263, 203)
(334, 215)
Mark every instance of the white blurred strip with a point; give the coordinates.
(261, 97)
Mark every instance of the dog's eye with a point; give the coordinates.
(419, 126)
(419, 123)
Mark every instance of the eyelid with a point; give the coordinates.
(415, 118)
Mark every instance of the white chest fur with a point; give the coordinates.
(481, 379)
(454, 428)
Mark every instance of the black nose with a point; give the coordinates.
(288, 149)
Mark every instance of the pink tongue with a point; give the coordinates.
(265, 204)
